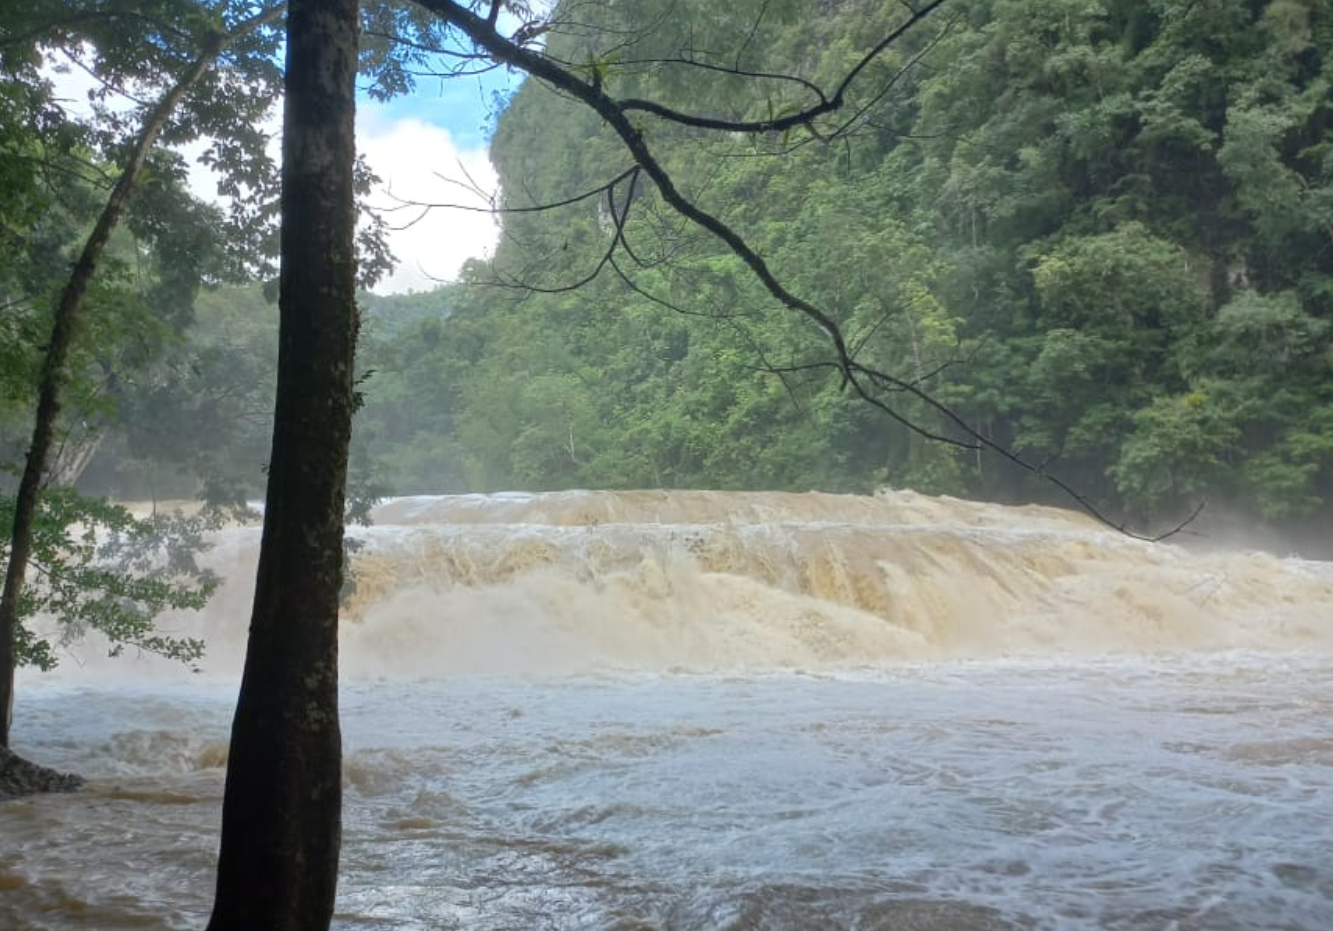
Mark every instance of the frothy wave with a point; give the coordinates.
(573, 582)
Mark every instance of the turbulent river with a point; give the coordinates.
(726, 711)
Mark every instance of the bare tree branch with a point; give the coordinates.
(827, 103)
(867, 383)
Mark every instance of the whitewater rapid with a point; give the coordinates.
(695, 710)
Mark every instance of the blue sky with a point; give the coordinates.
(464, 105)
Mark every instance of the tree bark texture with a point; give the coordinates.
(281, 818)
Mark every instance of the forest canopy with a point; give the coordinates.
(1097, 230)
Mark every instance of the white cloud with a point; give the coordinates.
(420, 162)
(413, 159)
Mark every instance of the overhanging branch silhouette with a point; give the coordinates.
(869, 384)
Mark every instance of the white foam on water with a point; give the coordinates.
(1120, 793)
(709, 711)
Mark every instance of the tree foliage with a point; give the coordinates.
(98, 568)
(1098, 230)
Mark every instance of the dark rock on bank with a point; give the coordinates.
(18, 777)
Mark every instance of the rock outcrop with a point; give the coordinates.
(18, 777)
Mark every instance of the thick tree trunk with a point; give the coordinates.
(281, 817)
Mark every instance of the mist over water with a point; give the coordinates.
(702, 710)
(708, 580)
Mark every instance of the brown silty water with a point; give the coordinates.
(709, 711)
(709, 580)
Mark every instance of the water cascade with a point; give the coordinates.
(707, 711)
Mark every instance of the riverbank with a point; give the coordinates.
(19, 777)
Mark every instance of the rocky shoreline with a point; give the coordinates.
(19, 777)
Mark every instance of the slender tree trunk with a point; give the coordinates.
(53, 375)
(281, 816)
(72, 459)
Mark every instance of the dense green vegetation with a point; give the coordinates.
(104, 252)
(104, 570)
(1100, 230)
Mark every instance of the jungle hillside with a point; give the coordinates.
(1098, 233)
